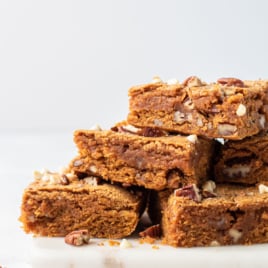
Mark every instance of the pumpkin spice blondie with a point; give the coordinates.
(56, 204)
(144, 157)
(225, 215)
(229, 108)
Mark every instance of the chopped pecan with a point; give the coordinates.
(77, 238)
(208, 189)
(231, 81)
(192, 81)
(190, 191)
(153, 231)
(78, 162)
(152, 132)
(64, 179)
(226, 129)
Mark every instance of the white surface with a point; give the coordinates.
(21, 153)
(50, 252)
(68, 63)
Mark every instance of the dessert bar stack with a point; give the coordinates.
(229, 208)
(194, 153)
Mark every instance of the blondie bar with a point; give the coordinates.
(229, 108)
(57, 204)
(227, 215)
(244, 161)
(134, 157)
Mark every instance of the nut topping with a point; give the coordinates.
(193, 81)
(230, 81)
(190, 191)
(77, 238)
(156, 79)
(54, 177)
(78, 162)
(153, 231)
(64, 179)
(172, 81)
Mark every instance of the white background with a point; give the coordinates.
(69, 64)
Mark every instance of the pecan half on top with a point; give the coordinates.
(230, 81)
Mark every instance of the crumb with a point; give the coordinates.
(147, 239)
(125, 244)
(100, 244)
(155, 247)
(113, 243)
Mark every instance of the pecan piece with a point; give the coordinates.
(78, 162)
(153, 231)
(64, 180)
(152, 132)
(77, 238)
(231, 81)
(208, 189)
(226, 129)
(192, 81)
(190, 191)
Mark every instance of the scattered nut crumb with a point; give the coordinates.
(155, 247)
(214, 243)
(153, 231)
(77, 238)
(125, 244)
(100, 244)
(147, 239)
(113, 243)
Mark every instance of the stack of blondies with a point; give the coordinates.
(193, 155)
